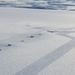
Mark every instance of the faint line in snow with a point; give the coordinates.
(42, 63)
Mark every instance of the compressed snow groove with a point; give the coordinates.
(36, 67)
(33, 39)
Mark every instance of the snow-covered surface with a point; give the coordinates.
(40, 4)
(42, 42)
(63, 66)
(72, 34)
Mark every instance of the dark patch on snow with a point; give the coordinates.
(51, 31)
(22, 40)
(32, 36)
(39, 34)
(9, 44)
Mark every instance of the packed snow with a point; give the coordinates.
(37, 42)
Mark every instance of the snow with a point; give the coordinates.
(63, 66)
(37, 4)
(42, 42)
(72, 34)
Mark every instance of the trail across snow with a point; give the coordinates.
(38, 41)
(36, 67)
